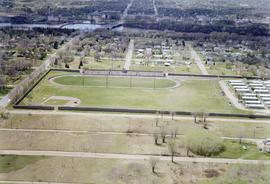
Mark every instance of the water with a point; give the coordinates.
(83, 26)
(79, 26)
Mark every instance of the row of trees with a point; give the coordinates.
(255, 29)
(21, 49)
(198, 142)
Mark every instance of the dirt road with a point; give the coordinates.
(131, 157)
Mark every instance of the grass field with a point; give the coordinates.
(56, 102)
(104, 63)
(234, 150)
(169, 69)
(104, 133)
(125, 82)
(123, 124)
(107, 171)
(14, 163)
(192, 95)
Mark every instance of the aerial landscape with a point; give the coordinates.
(134, 91)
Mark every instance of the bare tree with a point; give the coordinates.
(174, 132)
(156, 136)
(205, 116)
(172, 148)
(195, 114)
(163, 133)
(153, 162)
(173, 114)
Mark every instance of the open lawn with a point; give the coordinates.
(107, 171)
(123, 124)
(104, 63)
(235, 150)
(169, 69)
(191, 95)
(14, 163)
(102, 133)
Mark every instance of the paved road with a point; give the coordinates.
(131, 157)
(198, 61)
(125, 13)
(155, 8)
(4, 101)
(235, 101)
(230, 96)
(129, 55)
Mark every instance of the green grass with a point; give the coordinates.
(4, 91)
(102, 64)
(115, 82)
(234, 150)
(14, 163)
(177, 69)
(192, 95)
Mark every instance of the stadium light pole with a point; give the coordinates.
(107, 80)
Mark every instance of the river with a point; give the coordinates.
(79, 26)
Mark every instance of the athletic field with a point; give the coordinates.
(58, 88)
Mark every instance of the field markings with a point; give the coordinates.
(176, 81)
(131, 157)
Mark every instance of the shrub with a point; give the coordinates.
(203, 143)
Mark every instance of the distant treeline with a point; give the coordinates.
(255, 29)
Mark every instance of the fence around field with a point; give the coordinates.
(34, 107)
(151, 111)
(124, 73)
(34, 79)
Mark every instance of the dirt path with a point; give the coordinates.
(33, 182)
(63, 131)
(131, 157)
(71, 101)
(198, 61)
(129, 55)
(176, 81)
(144, 116)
